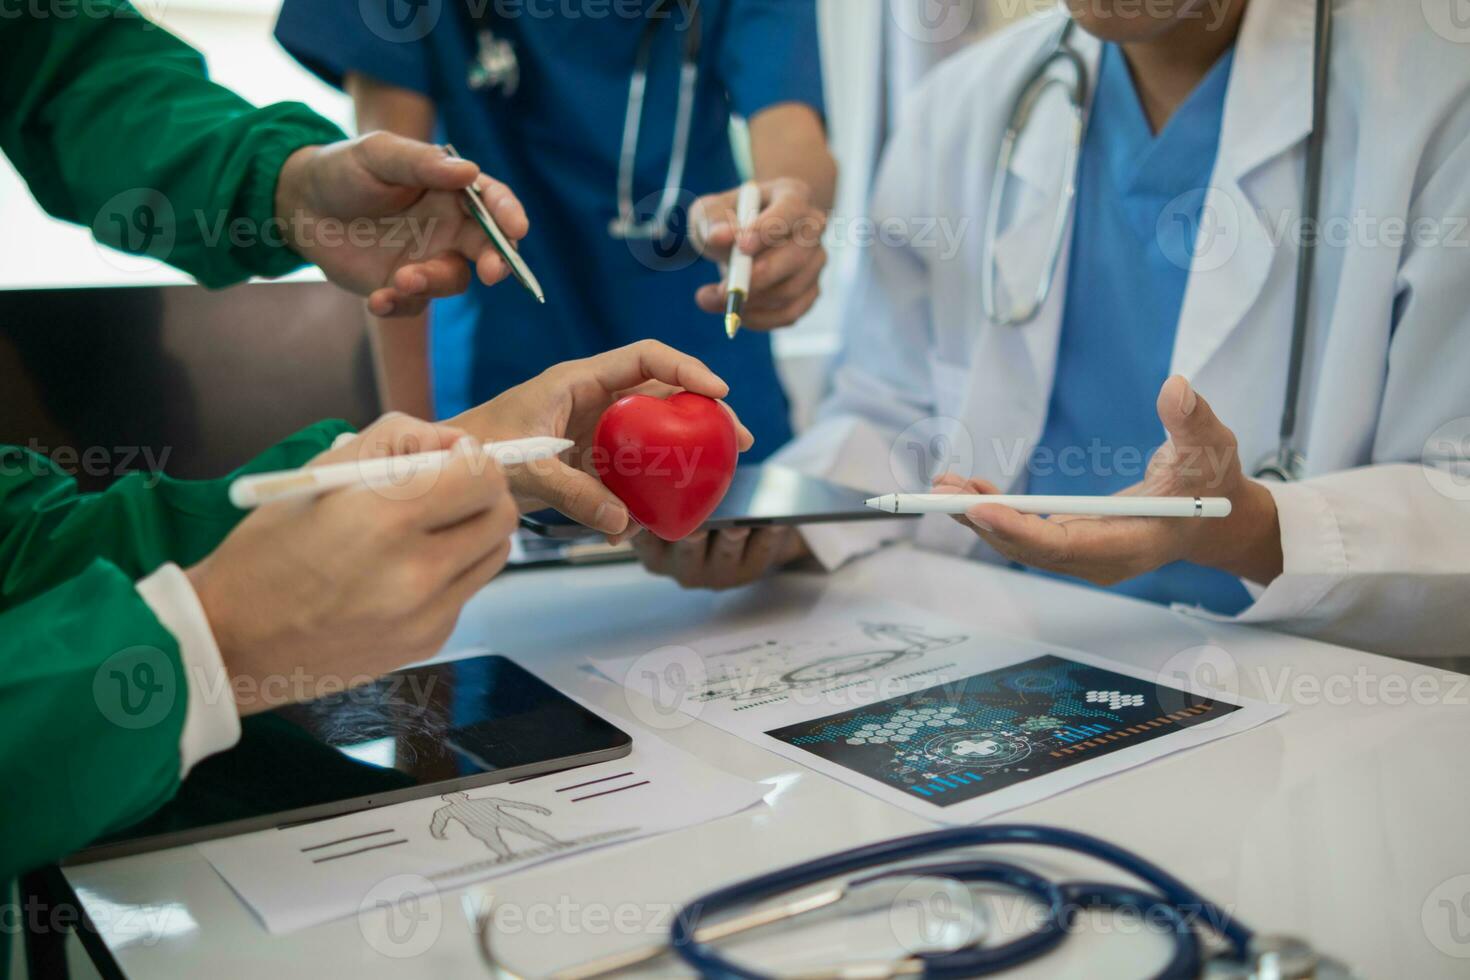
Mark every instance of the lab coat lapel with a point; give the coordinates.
(1268, 113)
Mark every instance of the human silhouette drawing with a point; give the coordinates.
(487, 820)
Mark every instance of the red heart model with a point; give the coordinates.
(670, 460)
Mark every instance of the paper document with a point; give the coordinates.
(317, 872)
(948, 721)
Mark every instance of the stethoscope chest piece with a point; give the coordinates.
(1279, 958)
(495, 65)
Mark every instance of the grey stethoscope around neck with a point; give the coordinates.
(626, 225)
(495, 66)
(1286, 463)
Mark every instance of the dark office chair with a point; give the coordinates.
(177, 378)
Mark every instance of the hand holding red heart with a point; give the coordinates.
(568, 400)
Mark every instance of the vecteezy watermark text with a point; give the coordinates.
(92, 461)
(81, 10)
(142, 222)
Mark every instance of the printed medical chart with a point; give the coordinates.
(317, 872)
(948, 721)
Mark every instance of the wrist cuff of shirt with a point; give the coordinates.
(834, 545)
(211, 720)
(293, 126)
(1314, 558)
(1311, 540)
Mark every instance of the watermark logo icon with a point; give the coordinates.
(1445, 916)
(1450, 19)
(1196, 674)
(657, 233)
(1199, 231)
(135, 688)
(1446, 459)
(401, 917)
(394, 467)
(663, 685)
(137, 229)
(932, 914)
(929, 448)
(400, 21)
(933, 21)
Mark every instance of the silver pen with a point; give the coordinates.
(481, 214)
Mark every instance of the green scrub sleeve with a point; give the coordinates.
(114, 124)
(92, 691)
(49, 532)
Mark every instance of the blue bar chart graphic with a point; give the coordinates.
(942, 784)
(1080, 733)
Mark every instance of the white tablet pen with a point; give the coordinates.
(958, 503)
(747, 209)
(259, 489)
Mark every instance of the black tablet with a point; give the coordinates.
(415, 733)
(759, 496)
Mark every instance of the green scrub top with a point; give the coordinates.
(113, 123)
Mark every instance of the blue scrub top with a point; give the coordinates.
(556, 142)
(1125, 290)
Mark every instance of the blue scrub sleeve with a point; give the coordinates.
(770, 54)
(383, 39)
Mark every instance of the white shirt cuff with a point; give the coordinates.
(211, 720)
(1314, 558)
(834, 545)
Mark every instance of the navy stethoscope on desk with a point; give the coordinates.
(495, 66)
(1286, 463)
(1180, 911)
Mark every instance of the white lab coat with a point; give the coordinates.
(1377, 553)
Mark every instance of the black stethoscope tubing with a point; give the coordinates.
(1174, 901)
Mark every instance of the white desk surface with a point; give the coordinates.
(1346, 822)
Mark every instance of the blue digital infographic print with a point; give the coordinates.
(965, 738)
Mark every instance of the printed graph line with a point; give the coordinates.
(608, 792)
(592, 782)
(344, 840)
(360, 850)
(1143, 726)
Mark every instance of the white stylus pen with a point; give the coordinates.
(269, 488)
(747, 209)
(958, 503)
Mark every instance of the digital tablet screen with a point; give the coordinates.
(759, 496)
(410, 734)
